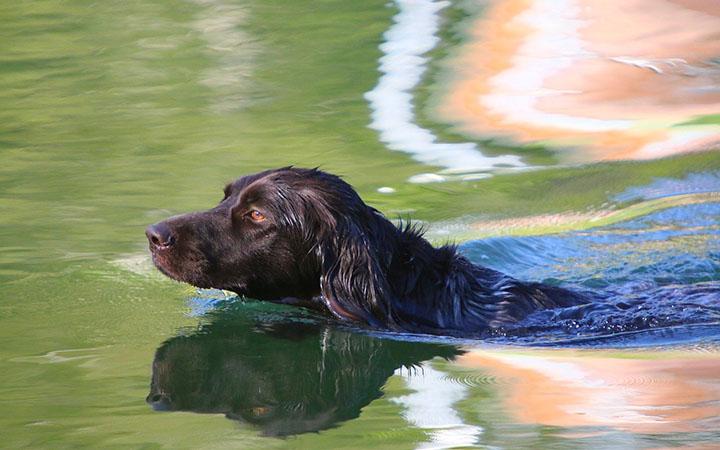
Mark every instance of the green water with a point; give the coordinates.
(114, 115)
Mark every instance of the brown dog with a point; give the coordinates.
(304, 237)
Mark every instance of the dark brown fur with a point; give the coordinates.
(320, 246)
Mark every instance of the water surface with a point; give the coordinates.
(118, 114)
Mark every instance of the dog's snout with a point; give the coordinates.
(160, 235)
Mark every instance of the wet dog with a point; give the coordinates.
(305, 237)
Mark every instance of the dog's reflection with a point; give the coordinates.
(287, 377)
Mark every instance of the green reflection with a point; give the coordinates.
(284, 377)
(117, 114)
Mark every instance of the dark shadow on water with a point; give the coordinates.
(284, 372)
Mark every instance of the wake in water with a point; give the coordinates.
(658, 272)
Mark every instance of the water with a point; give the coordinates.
(118, 114)
(657, 271)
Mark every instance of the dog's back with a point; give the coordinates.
(439, 291)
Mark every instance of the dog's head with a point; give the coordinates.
(284, 233)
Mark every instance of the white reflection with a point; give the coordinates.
(553, 46)
(233, 50)
(412, 35)
(430, 407)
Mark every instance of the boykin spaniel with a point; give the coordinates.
(305, 237)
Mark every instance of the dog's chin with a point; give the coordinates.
(196, 278)
(166, 268)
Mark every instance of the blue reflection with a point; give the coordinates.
(657, 272)
(694, 183)
(677, 245)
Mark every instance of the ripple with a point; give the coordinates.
(646, 380)
(471, 379)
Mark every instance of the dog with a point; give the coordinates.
(304, 237)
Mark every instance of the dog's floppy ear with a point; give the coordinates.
(353, 281)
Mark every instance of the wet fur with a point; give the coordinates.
(322, 247)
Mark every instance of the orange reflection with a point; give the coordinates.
(660, 394)
(613, 78)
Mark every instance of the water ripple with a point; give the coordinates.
(474, 379)
(655, 279)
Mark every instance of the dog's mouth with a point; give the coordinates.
(161, 261)
(187, 267)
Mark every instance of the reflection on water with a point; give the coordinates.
(675, 246)
(411, 36)
(660, 270)
(653, 393)
(220, 23)
(288, 375)
(117, 114)
(605, 79)
(694, 183)
(285, 377)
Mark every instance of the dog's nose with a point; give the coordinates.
(160, 235)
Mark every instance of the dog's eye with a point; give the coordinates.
(256, 216)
